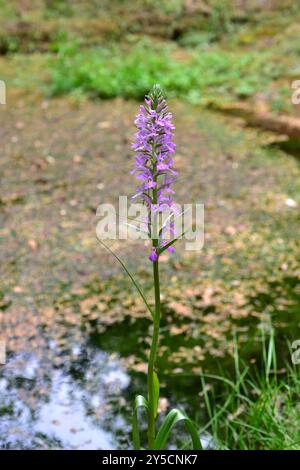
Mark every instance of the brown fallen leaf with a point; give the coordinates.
(181, 309)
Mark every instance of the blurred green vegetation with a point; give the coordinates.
(205, 52)
(199, 77)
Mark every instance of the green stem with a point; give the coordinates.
(154, 343)
(152, 358)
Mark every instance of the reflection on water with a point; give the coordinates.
(78, 406)
(69, 394)
(82, 404)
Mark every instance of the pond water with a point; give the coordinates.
(79, 396)
(77, 338)
(77, 406)
(83, 404)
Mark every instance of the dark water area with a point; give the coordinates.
(84, 404)
(290, 146)
(79, 396)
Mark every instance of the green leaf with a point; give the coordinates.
(156, 393)
(139, 402)
(172, 418)
(130, 276)
(169, 217)
(165, 247)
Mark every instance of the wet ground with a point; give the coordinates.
(77, 335)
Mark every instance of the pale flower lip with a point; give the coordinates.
(154, 148)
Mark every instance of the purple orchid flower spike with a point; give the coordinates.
(154, 148)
